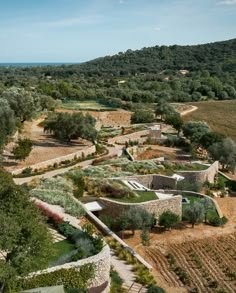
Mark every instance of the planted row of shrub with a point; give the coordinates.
(69, 278)
(63, 164)
(143, 275)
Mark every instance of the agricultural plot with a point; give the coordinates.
(220, 115)
(207, 265)
(84, 105)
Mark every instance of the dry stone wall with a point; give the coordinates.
(43, 165)
(139, 136)
(153, 181)
(201, 176)
(115, 209)
(101, 261)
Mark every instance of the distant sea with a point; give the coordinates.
(32, 64)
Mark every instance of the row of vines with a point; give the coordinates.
(207, 265)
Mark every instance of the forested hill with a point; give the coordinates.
(212, 57)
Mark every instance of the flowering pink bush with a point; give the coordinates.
(52, 217)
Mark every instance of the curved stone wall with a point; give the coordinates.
(100, 283)
(201, 176)
(197, 194)
(158, 206)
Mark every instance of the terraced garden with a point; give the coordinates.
(207, 265)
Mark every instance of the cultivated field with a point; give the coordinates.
(203, 258)
(207, 265)
(220, 115)
(84, 105)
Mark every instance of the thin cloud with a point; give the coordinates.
(157, 28)
(227, 2)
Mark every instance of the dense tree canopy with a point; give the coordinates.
(67, 126)
(194, 130)
(142, 116)
(225, 152)
(23, 235)
(151, 75)
(7, 121)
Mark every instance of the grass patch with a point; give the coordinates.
(220, 115)
(193, 199)
(84, 105)
(61, 248)
(142, 197)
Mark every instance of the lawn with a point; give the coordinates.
(84, 105)
(61, 248)
(193, 199)
(142, 197)
(220, 115)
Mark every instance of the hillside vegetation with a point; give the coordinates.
(125, 80)
(212, 57)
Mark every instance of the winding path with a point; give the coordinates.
(117, 150)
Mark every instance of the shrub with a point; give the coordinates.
(69, 278)
(116, 283)
(113, 191)
(53, 218)
(217, 221)
(168, 219)
(58, 191)
(23, 149)
(27, 171)
(66, 229)
(155, 289)
(108, 221)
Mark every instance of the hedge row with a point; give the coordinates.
(69, 278)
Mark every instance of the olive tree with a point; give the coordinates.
(194, 130)
(194, 213)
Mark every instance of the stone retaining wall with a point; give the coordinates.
(139, 136)
(114, 208)
(153, 181)
(101, 262)
(201, 176)
(197, 194)
(105, 229)
(44, 165)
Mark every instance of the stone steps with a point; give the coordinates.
(133, 287)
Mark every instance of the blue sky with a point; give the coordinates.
(80, 30)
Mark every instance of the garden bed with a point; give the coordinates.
(142, 197)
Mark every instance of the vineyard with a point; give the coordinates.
(207, 265)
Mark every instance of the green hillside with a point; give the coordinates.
(213, 57)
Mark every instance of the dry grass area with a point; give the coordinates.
(45, 147)
(152, 154)
(220, 115)
(206, 254)
(156, 151)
